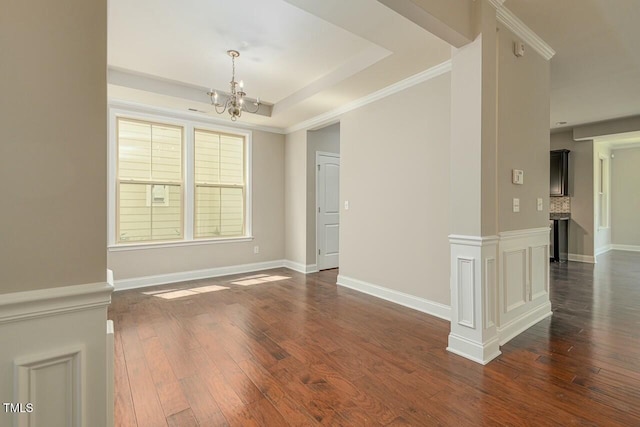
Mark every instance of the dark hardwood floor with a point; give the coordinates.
(277, 348)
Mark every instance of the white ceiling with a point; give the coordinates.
(306, 57)
(595, 74)
(309, 57)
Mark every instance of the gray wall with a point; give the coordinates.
(328, 140)
(295, 190)
(268, 171)
(625, 197)
(581, 235)
(53, 154)
(523, 135)
(395, 174)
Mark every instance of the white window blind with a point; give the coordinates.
(149, 182)
(220, 184)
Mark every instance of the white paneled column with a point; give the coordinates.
(473, 311)
(473, 239)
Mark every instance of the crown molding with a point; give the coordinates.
(188, 115)
(513, 23)
(330, 116)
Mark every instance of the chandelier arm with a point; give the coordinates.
(224, 107)
(257, 104)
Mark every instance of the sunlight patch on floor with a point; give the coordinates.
(180, 293)
(258, 279)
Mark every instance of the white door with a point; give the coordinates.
(328, 209)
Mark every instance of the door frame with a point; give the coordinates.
(317, 207)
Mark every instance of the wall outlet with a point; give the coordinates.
(516, 205)
(346, 205)
(540, 205)
(256, 249)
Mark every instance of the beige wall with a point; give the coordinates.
(625, 197)
(466, 145)
(523, 134)
(602, 234)
(328, 140)
(295, 187)
(395, 175)
(268, 225)
(581, 190)
(53, 155)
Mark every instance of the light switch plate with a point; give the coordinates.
(516, 205)
(346, 205)
(540, 205)
(518, 177)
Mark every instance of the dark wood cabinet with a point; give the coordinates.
(559, 178)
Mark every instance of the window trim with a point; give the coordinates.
(189, 124)
(602, 193)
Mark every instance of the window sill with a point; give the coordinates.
(161, 245)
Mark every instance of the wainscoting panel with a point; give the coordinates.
(466, 292)
(514, 266)
(37, 377)
(524, 281)
(490, 294)
(539, 271)
(53, 356)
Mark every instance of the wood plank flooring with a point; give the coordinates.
(278, 348)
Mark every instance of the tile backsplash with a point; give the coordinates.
(559, 204)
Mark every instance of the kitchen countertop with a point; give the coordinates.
(560, 216)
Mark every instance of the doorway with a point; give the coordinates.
(327, 209)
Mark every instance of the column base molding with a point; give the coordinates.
(479, 353)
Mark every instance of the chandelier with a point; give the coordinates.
(234, 102)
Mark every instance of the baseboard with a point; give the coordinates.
(163, 279)
(603, 250)
(582, 258)
(630, 248)
(524, 322)
(300, 268)
(479, 353)
(420, 304)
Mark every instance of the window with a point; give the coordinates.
(149, 188)
(219, 184)
(177, 181)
